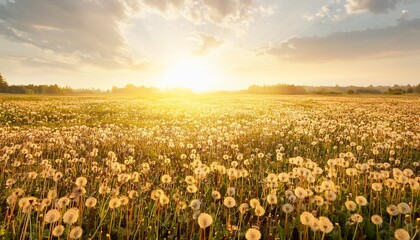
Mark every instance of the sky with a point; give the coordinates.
(209, 44)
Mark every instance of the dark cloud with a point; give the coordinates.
(394, 41)
(207, 43)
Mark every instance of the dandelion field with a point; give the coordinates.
(210, 167)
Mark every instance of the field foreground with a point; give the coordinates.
(210, 167)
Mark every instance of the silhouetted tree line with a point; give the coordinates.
(277, 89)
(324, 90)
(41, 89)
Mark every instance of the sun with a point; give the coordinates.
(194, 74)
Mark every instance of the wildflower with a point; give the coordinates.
(229, 202)
(259, 211)
(115, 202)
(216, 195)
(52, 216)
(356, 218)
(392, 210)
(181, 205)
(287, 208)
(300, 193)
(350, 205)
(204, 220)
(195, 204)
(404, 208)
(71, 216)
(163, 200)
(325, 225)
(377, 187)
(283, 177)
(190, 180)
(243, 208)
(155, 194)
(76, 233)
(58, 230)
(52, 194)
(315, 224)
(192, 188)
(376, 219)
(124, 200)
(91, 202)
(361, 201)
(319, 201)
(272, 199)
(401, 234)
(165, 179)
(230, 191)
(330, 196)
(254, 202)
(62, 202)
(306, 218)
(81, 181)
(253, 234)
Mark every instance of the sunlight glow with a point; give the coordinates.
(189, 73)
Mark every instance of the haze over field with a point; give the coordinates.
(209, 44)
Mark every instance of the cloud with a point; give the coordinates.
(404, 15)
(329, 13)
(233, 14)
(87, 30)
(373, 6)
(394, 41)
(207, 43)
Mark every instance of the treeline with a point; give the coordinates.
(277, 89)
(288, 89)
(396, 89)
(53, 89)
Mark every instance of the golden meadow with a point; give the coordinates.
(209, 167)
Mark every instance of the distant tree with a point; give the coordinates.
(417, 88)
(3, 83)
(350, 91)
(410, 90)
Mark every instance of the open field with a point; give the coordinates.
(210, 167)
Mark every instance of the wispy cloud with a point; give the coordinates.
(394, 41)
(206, 43)
(88, 31)
(233, 14)
(373, 6)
